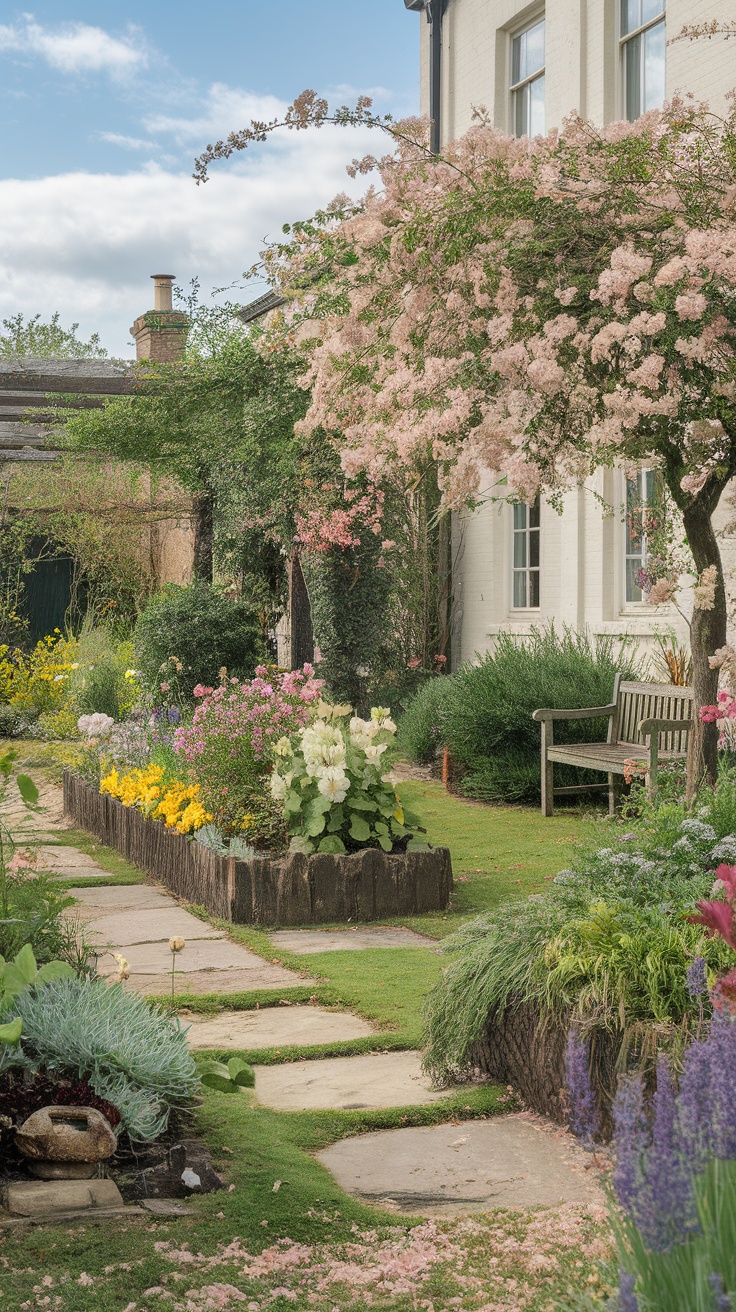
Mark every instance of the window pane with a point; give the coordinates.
(534, 549)
(520, 513)
(536, 107)
(519, 590)
(520, 560)
(521, 112)
(654, 66)
(534, 49)
(632, 78)
(651, 9)
(534, 514)
(534, 587)
(630, 15)
(633, 591)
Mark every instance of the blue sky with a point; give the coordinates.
(103, 107)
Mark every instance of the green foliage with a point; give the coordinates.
(200, 629)
(132, 1053)
(33, 336)
(486, 717)
(231, 1077)
(610, 942)
(23, 971)
(420, 726)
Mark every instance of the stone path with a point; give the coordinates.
(137, 921)
(509, 1161)
(305, 942)
(451, 1168)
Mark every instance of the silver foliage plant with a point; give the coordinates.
(134, 1055)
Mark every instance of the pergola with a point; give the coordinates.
(31, 389)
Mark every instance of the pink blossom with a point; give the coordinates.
(691, 305)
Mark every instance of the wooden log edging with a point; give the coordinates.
(290, 890)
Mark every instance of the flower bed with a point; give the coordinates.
(294, 889)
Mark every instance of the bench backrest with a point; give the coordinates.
(651, 701)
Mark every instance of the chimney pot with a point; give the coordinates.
(162, 298)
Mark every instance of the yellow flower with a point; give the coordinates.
(246, 822)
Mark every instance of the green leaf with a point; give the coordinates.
(53, 970)
(363, 804)
(410, 817)
(331, 843)
(293, 803)
(25, 964)
(381, 827)
(11, 1032)
(386, 842)
(360, 830)
(27, 789)
(314, 825)
(320, 803)
(241, 1073)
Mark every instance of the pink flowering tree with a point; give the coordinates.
(523, 312)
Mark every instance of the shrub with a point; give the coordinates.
(132, 1055)
(486, 716)
(609, 944)
(420, 726)
(330, 781)
(14, 723)
(174, 801)
(186, 635)
(227, 747)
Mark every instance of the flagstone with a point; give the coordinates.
(274, 1027)
(386, 1079)
(304, 942)
(507, 1161)
(151, 925)
(116, 897)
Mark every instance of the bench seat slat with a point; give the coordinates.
(605, 756)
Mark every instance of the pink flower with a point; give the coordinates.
(414, 663)
(165, 687)
(726, 875)
(718, 919)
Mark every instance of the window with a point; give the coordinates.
(642, 55)
(525, 582)
(527, 81)
(642, 493)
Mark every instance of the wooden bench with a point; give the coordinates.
(647, 723)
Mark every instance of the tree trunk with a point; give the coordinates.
(707, 634)
(204, 535)
(300, 616)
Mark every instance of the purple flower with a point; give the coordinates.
(631, 1139)
(722, 1299)
(697, 978)
(583, 1110)
(628, 1302)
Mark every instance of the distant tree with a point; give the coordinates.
(33, 336)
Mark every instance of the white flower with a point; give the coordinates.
(131, 674)
(283, 747)
(95, 726)
(334, 784)
(278, 787)
(374, 752)
(59, 677)
(74, 665)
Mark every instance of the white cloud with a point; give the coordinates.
(76, 47)
(126, 143)
(223, 110)
(85, 243)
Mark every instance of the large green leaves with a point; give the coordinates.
(227, 1077)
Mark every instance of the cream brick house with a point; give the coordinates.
(529, 65)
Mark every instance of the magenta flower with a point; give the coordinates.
(718, 919)
(727, 876)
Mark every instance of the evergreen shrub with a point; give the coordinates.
(486, 711)
(185, 635)
(420, 727)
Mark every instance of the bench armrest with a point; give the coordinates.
(648, 727)
(583, 713)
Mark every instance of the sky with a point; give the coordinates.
(103, 108)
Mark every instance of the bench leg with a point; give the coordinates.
(548, 796)
(612, 794)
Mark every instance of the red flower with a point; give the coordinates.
(718, 919)
(723, 993)
(727, 876)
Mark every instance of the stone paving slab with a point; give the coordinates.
(508, 1161)
(198, 955)
(103, 901)
(61, 855)
(152, 925)
(260, 976)
(386, 1079)
(304, 942)
(274, 1027)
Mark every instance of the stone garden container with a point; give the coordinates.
(65, 1143)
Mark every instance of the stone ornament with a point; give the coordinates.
(65, 1143)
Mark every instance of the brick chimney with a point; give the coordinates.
(161, 333)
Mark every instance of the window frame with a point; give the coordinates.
(522, 87)
(641, 556)
(528, 569)
(625, 39)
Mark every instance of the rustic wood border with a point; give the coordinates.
(291, 890)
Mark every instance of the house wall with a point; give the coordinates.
(582, 582)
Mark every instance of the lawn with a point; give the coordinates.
(322, 1249)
